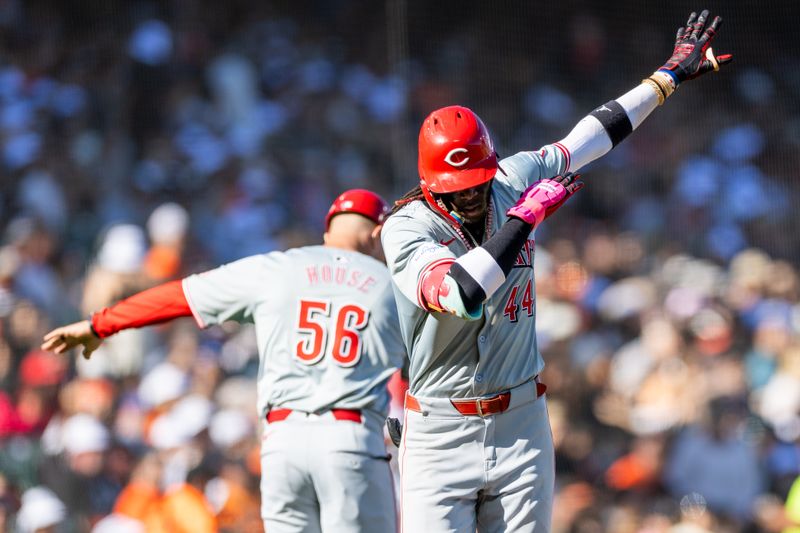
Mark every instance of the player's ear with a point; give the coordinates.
(376, 232)
(325, 238)
(377, 247)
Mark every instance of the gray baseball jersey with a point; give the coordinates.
(449, 356)
(325, 320)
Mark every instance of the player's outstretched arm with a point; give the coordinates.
(609, 124)
(67, 337)
(153, 306)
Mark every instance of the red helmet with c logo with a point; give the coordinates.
(455, 151)
(361, 201)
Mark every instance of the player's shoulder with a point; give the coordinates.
(256, 261)
(340, 256)
(517, 168)
(284, 261)
(304, 252)
(273, 258)
(415, 216)
(414, 210)
(364, 260)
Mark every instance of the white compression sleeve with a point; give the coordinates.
(638, 103)
(589, 139)
(586, 142)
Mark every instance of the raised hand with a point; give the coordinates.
(693, 55)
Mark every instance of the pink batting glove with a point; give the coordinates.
(533, 203)
(544, 197)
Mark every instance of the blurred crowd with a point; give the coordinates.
(143, 141)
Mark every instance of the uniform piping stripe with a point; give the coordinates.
(195, 314)
(423, 273)
(394, 495)
(402, 467)
(566, 153)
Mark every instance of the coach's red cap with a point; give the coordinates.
(361, 201)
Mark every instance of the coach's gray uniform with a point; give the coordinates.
(326, 326)
(449, 462)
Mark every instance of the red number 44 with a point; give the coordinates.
(315, 319)
(512, 308)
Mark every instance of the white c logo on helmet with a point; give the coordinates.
(449, 157)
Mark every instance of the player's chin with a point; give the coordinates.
(473, 215)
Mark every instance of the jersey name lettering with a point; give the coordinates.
(338, 275)
(525, 256)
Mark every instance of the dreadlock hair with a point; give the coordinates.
(411, 196)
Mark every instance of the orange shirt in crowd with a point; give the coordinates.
(180, 510)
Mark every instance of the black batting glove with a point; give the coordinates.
(395, 429)
(693, 55)
(572, 183)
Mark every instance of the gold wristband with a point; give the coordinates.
(664, 81)
(659, 92)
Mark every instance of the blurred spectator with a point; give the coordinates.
(30, 409)
(180, 508)
(117, 273)
(715, 462)
(9, 264)
(233, 499)
(40, 511)
(222, 128)
(8, 504)
(117, 523)
(167, 227)
(34, 278)
(640, 469)
(73, 466)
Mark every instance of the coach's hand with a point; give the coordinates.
(67, 337)
(693, 55)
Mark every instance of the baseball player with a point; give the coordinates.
(326, 326)
(476, 449)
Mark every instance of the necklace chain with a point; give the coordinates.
(463, 232)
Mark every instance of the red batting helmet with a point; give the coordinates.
(455, 151)
(360, 201)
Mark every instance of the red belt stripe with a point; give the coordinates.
(353, 415)
(480, 406)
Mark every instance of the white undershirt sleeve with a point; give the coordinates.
(588, 140)
(638, 103)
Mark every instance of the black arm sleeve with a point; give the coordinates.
(503, 247)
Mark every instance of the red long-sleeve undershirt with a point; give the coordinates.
(153, 306)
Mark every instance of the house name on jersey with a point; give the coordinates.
(525, 256)
(339, 275)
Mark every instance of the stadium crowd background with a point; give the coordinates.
(142, 141)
